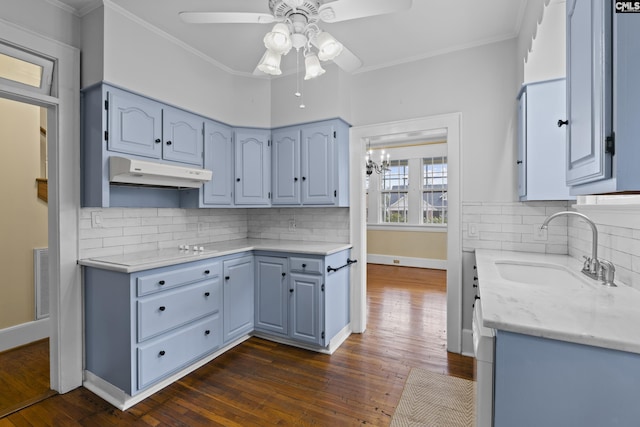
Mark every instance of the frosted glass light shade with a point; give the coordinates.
(312, 67)
(328, 47)
(270, 63)
(278, 40)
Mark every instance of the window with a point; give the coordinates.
(413, 189)
(24, 70)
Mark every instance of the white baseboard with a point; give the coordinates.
(467, 343)
(24, 333)
(437, 264)
(333, 345)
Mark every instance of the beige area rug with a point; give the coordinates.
(434, 400)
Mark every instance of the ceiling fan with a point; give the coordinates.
(296, 25)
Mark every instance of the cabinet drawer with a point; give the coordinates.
(305, 265)
(155, 282)
(167, 310)
(170, 353)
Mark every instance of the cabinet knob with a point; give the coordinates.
(304, 178)
(284, 274)
(169, 142)
(227, 277)
(206, 272)
(562, 122)
(477, 297)
(237, 179)
(162, 308)
(295, 179)
(207, 332)
(162, 353)
(157, 140)
(206, 294)
(304, 265)
(161, 282)
(291, 290)
(519, 162)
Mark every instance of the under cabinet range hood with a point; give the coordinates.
(134, 171)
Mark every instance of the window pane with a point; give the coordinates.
(20, 71)
(434, 194)
(394, 198)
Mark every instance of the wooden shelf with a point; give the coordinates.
(43, 189)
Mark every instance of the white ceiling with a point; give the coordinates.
(429, 28)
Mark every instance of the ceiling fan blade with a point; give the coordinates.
(344, 10)
(347, 60)
(226, 18)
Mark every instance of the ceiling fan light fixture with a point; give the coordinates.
(293, 3)
(328, 46)
(312, 67)
(278, 40)
(270, 63)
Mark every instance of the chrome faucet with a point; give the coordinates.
(593, 267)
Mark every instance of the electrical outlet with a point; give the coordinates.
(96, 219)
(396, 261)
(202, 227)
(539, 234)
(292, 224)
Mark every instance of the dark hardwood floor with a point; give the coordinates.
(24, 376)
(260, 383)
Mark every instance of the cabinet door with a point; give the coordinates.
(218, 157)
(589, 103)
(285, 167)
(272, 294)
(306, 306)
(237, 295)
(318, 165)
(182, 134)
(135, 124)
(252, 167)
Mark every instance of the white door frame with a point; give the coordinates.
(451, 123)
(63, 133)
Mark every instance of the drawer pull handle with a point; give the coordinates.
(161, 282)
(227, 277)
(162, 308)
(206, 272)
(162, 353)
(304, 265)
(206, 294)
(207, 332)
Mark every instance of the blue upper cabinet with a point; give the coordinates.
(252, 167)
(135, 124)
(310, 164)
(603, 98)
(218, 150)
(182, 136)
(143, 127)
(285, 166)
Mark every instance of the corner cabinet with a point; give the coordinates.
(302, 299)
(603, 98)
(310, 164)
(541, 142)
(252, 167)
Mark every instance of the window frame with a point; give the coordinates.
(414, 154)
(47, 65)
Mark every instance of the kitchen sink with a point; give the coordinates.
(540, 274)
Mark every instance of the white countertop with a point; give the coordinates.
(594, 314)
(138, 261)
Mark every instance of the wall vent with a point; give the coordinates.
(41, 281)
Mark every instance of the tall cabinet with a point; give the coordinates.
(603, 98)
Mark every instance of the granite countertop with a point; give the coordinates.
(592, 314)
(139, 261)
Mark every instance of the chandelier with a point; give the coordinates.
(371, 166)
(299, 30)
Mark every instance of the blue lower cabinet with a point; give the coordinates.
(238, 297)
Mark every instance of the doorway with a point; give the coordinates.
(24, 302)
(449, 125)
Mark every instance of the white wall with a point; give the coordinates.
(480, 83)
(547, 59)
(142, 58)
